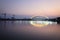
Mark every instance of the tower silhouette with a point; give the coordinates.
(4, 15)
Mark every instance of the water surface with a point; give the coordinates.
(24, 30)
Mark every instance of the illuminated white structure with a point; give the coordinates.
(41, 21)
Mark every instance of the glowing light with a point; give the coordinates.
(40, 16)
(39, 23)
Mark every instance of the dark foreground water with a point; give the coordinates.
(23, 30)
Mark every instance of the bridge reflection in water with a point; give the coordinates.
(42, 23)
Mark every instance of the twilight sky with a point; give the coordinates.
(31, 7)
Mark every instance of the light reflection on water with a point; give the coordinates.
(25, 28)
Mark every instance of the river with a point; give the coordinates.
(24, 30)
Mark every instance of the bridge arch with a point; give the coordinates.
(39, 18)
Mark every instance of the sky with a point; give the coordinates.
(31, 7)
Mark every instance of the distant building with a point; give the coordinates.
(0, 17)
(58, 20)
(13, 17)
(4, 15)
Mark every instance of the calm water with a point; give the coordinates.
(24, 30)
